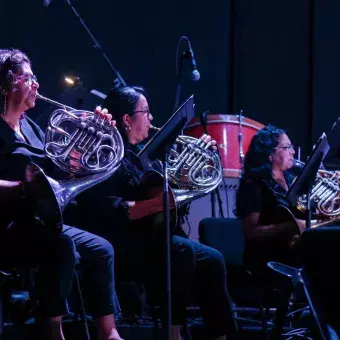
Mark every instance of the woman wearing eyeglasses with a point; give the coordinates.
(266, 178)
(23, 241)
(138, 238)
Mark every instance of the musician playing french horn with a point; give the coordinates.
(26, 242)
(266, 178)
(139, 247)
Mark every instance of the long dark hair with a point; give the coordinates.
(257, 165)
(121, 101)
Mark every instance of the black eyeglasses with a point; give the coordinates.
(147, 111)
(28, 78)
(289, 147)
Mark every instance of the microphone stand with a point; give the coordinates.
(240, 138)
(179, 79)
(215, 193)
(118, 81)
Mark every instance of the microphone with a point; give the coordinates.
(194, 75)
(46, 3)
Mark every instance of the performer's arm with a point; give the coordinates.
(255, 231)
(10, 191)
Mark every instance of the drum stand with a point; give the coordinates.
(213, 195)
(240, 138)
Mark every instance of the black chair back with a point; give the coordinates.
(225, 235)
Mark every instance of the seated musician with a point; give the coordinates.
(265, 180)
(22, 142)
(139, 246)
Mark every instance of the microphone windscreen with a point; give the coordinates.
(46, 3)
(195, 75)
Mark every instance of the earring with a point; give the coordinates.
(127, 127)
(5, 104)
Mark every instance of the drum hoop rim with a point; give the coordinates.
(231, 122)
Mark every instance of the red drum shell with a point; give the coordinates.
(225, 129)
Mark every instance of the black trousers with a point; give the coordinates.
(198, 275)
(55, 255)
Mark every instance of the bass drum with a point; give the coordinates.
(232, 133)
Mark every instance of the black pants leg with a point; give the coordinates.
(207, 281)
(97, 263)
(197, 271)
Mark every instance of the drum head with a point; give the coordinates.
(232, 134)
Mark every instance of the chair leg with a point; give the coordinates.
(281, 313)
(1, 317)
(263, 317)
(326, 332)
(82, 308)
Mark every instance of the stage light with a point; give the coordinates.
(71, 80)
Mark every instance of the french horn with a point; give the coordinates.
(325, 196)
(192, 168)
(81, 144)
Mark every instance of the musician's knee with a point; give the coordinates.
(67, 248)
(104, 248)
(216, 257)
(212, 259)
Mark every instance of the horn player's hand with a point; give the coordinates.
(301, 224)
(208, 140)
(104, 114)
(74, 161)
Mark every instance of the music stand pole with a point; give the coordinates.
(309, 209)
(159, 147)
(167, 248)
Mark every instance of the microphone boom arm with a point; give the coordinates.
(119, 81)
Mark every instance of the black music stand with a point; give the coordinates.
(332, 160)
(304, 182)
(158, 147)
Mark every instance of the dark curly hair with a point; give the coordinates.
(11, 61)
(257, 165)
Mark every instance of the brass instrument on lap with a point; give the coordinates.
(325, 195)
(79, 143)
(193, 170)
(100, 145)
